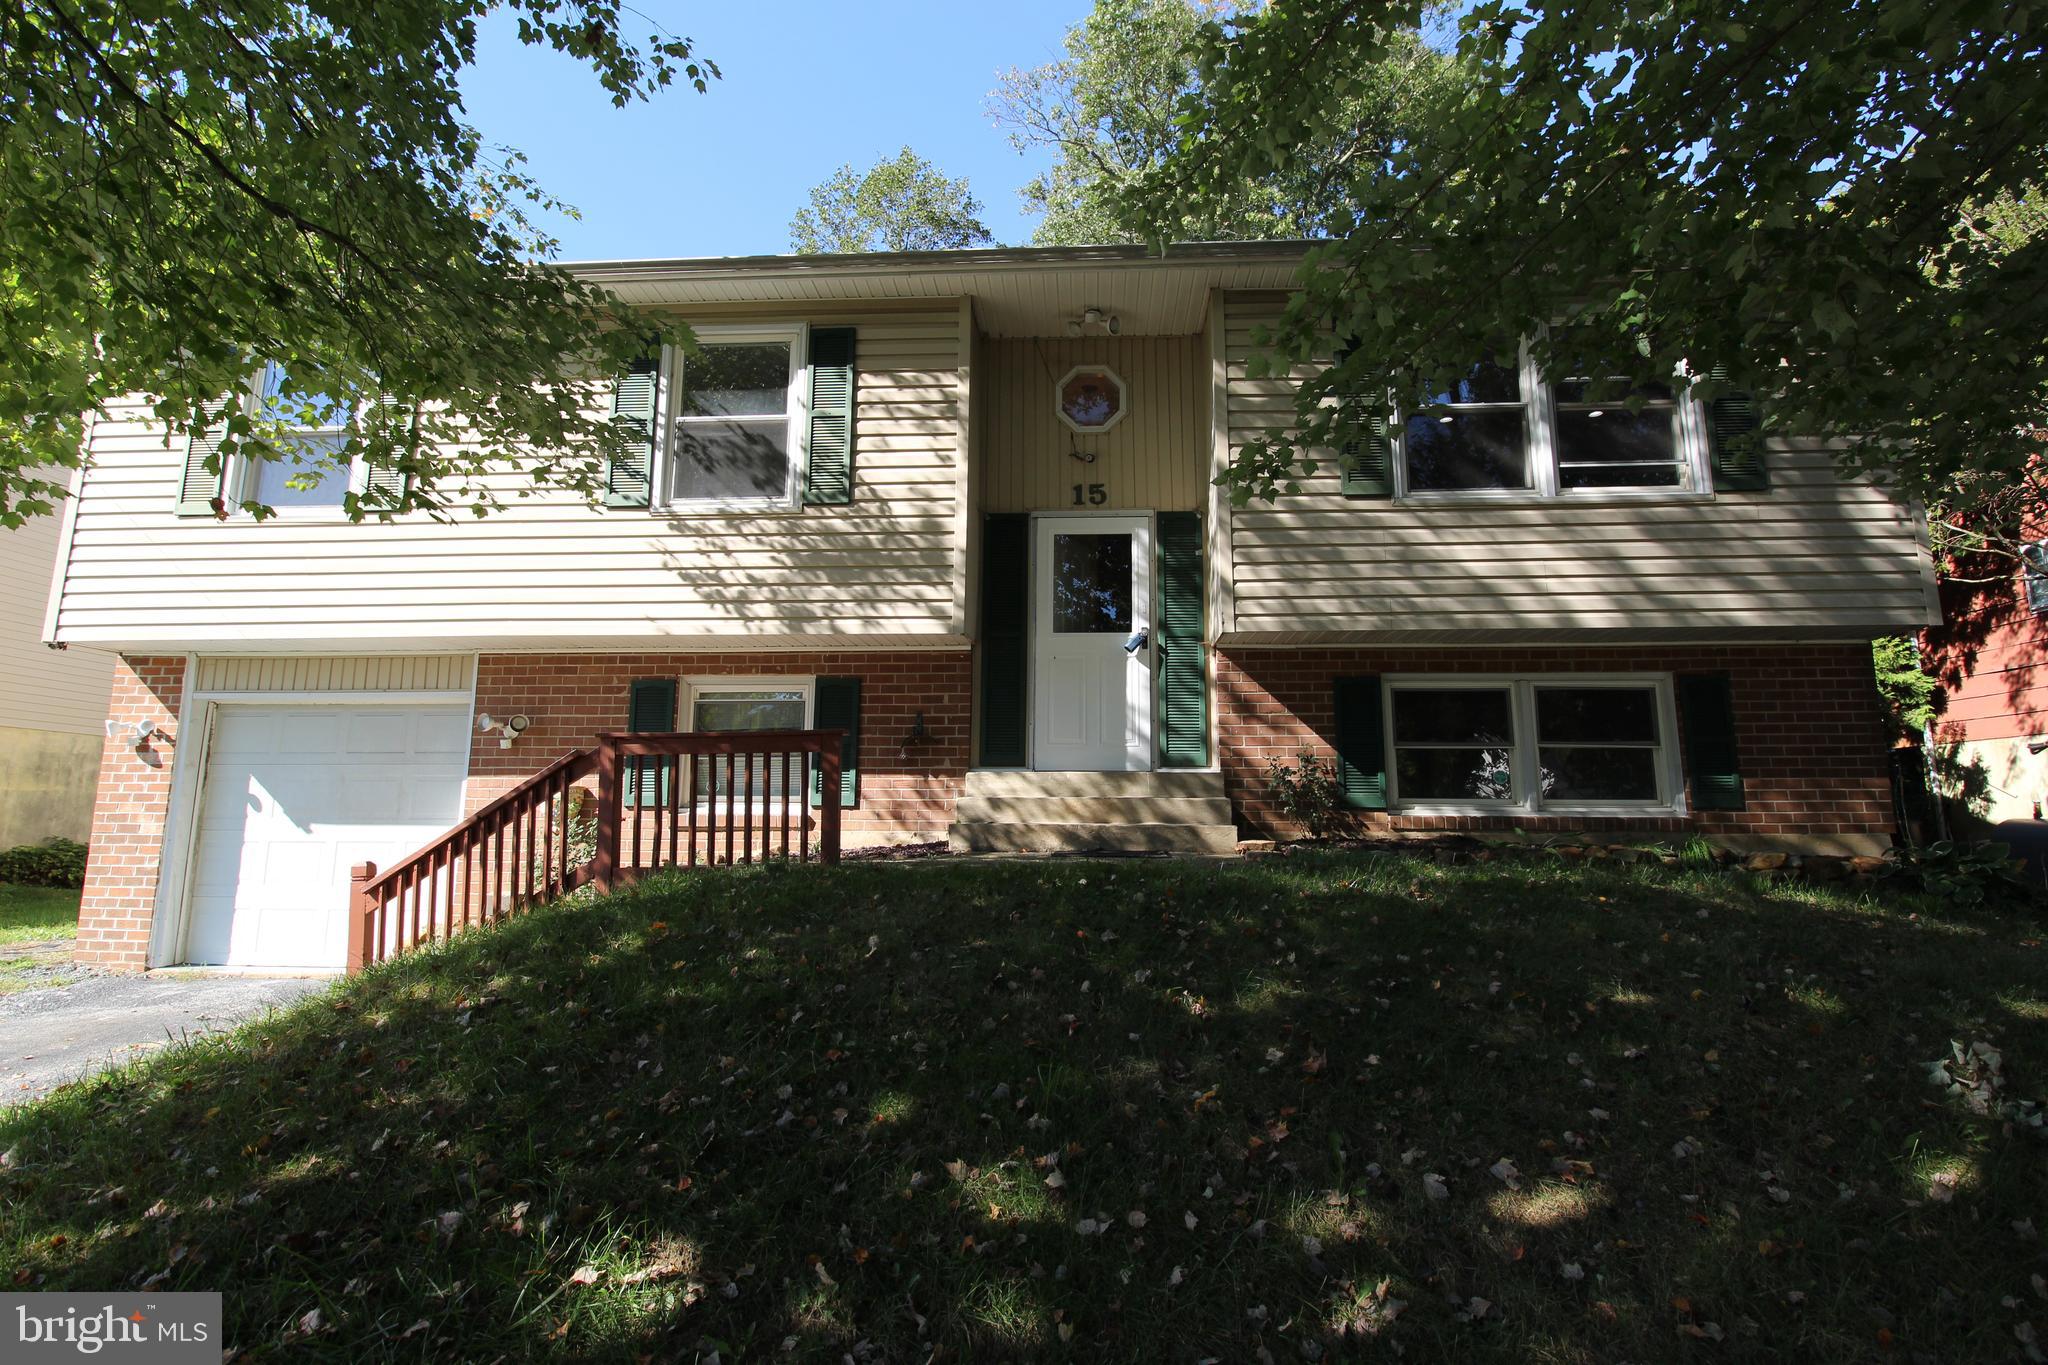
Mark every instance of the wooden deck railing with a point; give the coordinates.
(659, 801)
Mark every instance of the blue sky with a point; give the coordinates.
(807, 87)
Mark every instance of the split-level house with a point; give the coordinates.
(961, 506)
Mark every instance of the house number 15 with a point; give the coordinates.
(1096, 494)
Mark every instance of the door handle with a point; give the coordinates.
(1140, 638)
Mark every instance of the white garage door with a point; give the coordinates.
(294, 796)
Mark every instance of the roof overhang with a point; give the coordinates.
(1018, 291)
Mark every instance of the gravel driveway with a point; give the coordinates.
(59, 1034)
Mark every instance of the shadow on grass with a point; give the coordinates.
(1113, 1110)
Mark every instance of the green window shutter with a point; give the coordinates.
(630, 478)
(838, 708)
(1361, 742)
(396, 421)
(1183, 681)
(201, 488)
(650, 710)
(1005, 638)
(828, 472)
(1735, 440)
(1706, 724)
(1367, 459)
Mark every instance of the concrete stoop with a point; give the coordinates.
(1005, 811)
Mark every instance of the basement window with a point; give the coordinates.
(741, 706)
(1557, 743)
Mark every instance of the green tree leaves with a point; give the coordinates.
(187, 192)
(1795, 192)
(901, 203)
(1111, 111)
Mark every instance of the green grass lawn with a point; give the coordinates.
(1321, 1107)
(34, 915)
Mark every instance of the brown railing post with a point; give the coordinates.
(359, 912)
(828, 801)
(604, 867)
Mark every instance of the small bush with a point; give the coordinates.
(1974, 876)
(56, 861)
(1307, 795)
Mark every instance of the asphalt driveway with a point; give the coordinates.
(52, 1036)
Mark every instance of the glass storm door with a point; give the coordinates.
(1092, 695)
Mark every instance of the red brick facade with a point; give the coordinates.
(906, 790)
(1812, 747)
(1807, 724)
(129, 818)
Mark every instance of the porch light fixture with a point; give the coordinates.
(1094, 322)
(508, 729)
(136, 733)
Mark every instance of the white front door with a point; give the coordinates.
(1092, 696)
(294, 796)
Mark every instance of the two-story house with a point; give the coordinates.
(962, 505)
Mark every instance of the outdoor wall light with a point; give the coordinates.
(135, 734)
(1094, 322)
(508, 729)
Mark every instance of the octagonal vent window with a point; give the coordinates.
(1091, 398)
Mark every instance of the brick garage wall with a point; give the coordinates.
(1807, 726)
(129, 817)
(905, 794)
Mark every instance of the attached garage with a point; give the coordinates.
(293, 795)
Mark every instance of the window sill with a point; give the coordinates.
(1526, 497)
(766, 507)
(1657, 811)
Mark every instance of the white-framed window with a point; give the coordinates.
(312, 427)
(1559, 743)
(721, 705)
(1505, 431)
(737, 419)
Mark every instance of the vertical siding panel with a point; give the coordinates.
(335, 673)
(1149, 460)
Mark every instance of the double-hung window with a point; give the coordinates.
(1608, 436)
(1505, 430)
(310, 430)
(739, 706)
(1563, 743)
(737, 432)
(1473, 435)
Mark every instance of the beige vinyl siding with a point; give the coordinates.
(549, 570)
(63, 690)
(1814, 556)
(1152, 460)
(336, 673)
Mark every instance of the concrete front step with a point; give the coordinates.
(1093, 810)
(1069, 837)
(1175, 783)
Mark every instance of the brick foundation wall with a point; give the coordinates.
(1807, 723)
(130, 814)
(905, 794)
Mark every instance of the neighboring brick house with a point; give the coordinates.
(1989, 652)
(963, 506)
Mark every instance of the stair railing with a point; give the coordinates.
(660, 800)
